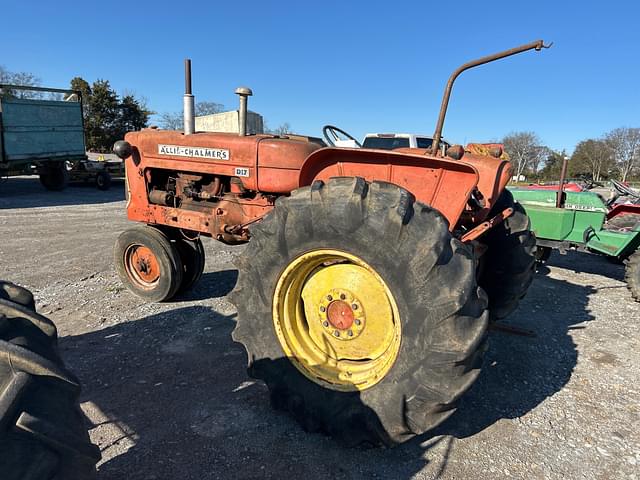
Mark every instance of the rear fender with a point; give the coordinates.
(443, 184)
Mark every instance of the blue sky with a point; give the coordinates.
(364, 66)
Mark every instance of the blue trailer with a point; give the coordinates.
(41, 136)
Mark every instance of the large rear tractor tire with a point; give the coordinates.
(42, 430)
(509, 264)
(632, 275)
(55, 177)
(360, 311)
(148, 263)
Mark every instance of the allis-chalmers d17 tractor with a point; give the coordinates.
(365, 293)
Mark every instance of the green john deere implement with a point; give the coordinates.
(584, 221)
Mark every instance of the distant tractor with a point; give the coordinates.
(584, 221)
(366, 291)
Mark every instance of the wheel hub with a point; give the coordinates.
(142, 265)
(341, 314)
(336, 320)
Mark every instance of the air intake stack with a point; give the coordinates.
(243, 93)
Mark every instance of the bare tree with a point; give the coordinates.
(208, 108)
(625, 146)
(24, 79)
(594, 156)
(171, 120)
(174, 120)
(525, 151)
(282, 129)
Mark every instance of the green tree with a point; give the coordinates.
(107, 117)
(133, 115)
(553, 165)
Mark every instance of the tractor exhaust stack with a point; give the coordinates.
(188, 107)
(537, 45)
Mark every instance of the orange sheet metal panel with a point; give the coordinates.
(279, 163)
(214, 153)
(494, 173)
(443, 184)
(494, 176)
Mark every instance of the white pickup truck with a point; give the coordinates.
(337, 137)
(390, 141)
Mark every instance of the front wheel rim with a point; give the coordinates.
(336, 320)
(142, 266)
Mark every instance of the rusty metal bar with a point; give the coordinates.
(563, 176)
(437, 136)
(485, 226)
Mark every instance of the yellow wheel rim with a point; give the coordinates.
(336, 320)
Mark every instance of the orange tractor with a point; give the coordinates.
(365, 293)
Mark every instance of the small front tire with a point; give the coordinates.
(192, 256)
(148, 263)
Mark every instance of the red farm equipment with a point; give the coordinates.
(365, 293)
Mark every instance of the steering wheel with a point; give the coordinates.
(330, 134)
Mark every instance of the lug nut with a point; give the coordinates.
(342, 296)
(357, 321)
(322, 309)
(354, 306)
(329, 297)
(325, 324)
(350, 333)
(336, 333)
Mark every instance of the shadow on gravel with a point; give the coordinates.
(178, 382)
(581, 262)
(27, 192)
(211, 285)
(521, 372)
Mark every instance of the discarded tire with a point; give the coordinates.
(42, 431)
(385, 261)
(632, 275)
(509, 266)
(148, 263)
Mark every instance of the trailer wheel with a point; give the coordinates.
(192, 256)
(509, 265)
(42, 430)
(103, 180)
(148, 263)
(360, 311)
(55, 177)
(632, 275)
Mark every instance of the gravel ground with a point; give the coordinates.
(166, 390)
